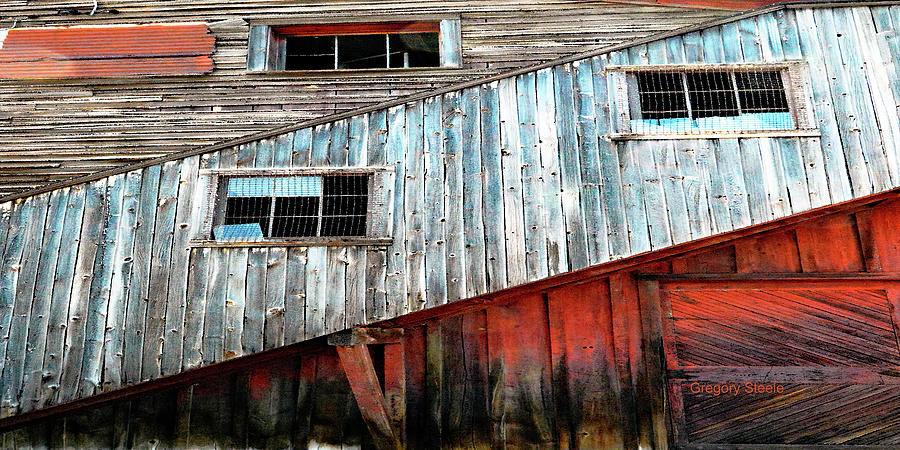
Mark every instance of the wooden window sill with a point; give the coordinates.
(358, 241)
(813, 132)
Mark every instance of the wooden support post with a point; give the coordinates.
(384, 417)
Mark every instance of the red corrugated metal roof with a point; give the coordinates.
(107, 50)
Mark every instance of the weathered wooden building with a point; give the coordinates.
(492, 234)
(72, 104)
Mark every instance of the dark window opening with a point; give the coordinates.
(294, 206)
(711, 94)
(360, 46)
(761, 92)
(662, 95)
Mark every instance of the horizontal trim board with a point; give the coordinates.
(298, 171)
(350, 29)
(716, 135)
(305, 242)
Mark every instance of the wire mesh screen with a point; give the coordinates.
(703, 101)
(257, 208)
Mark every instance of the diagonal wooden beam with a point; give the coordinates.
(357, 363)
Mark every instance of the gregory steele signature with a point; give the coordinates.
(717, 389)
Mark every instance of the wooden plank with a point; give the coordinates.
(455, 247)
(190, 193)
(300, 147)
(511, 168)
(728, 159)
(154, 329)
(587, 132)
(806, 39)
(553, 222)
(396, 284)
(532, 182)
(473, 202)
(843, 254)
(252, 334)
(335, 290)
(434, 385)
(120, 284)
(694, 183)
(595, 414)
(316, 291)
(434, 214)
(522, 409)
(414, 206)
(30, 228)
(54, 346)
(577, 245)
(784, 374)
(42, 300)
(495, 229)
(772, 252)
(91, 231)
(355, 281)
(138, 294)
(295, 296)
(758, 184)
(376, 263)
(651, 378)
(357, 364)
(213, 346)
(235, 301)
(655, 207)
(195, 317)
(395, 386)
(718, 259)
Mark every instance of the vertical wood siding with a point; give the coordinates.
(526, 371)
(48, 127)
(496, 186)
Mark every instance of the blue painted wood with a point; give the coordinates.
(570, 171)
(136, 309)
(836, 163)
(283, 149)
(12, 256)
(610, 181)
(14, 361)
(695, 185)
(41, 303)
(91, 232)
(495, 228)
(729, 162)
(756, 182)
(451, 122)
(795, 176)
(357, 139)
(300, 147)
(60, 300)
(434, 223)
(589, 162)
(511, 167)
(535, 233)
(257, 48)
(472, 185)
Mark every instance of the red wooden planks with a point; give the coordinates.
(770, 252)
(877, 232)
(106, 51)
(830, 245)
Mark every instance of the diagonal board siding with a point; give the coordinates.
(496, 185)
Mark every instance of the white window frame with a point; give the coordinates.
(378, 221)
(625, 98)
(266, 52)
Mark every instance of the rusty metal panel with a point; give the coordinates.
(99, 51)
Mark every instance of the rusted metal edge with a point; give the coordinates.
(426, 94)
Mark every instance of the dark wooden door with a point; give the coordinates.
(797, 362)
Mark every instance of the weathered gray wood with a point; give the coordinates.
(652, 193)
(316, 292)
(473, 201)
(589, 162)
(376, 263)
(807, 42)
(301, 147)
(295, 296)
(511, 167)
(41, 304)
(59, 303)
(15, 341)
(91, 232)
(254, 314)
(451, 122)
(213, 345)
(195, 314)
(414, 206)
(276, 279)
(532, 184)
(120, 284)
(154, 328)
(755, 181)
(728, 158)
(396, 284)
(335, 289)
(186, 223)
(494, 228)
(434, 216)
(570, 173)
(553, 221)
(235, 301)
(355, 286)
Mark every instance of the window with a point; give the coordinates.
(664, 100)
(355, 46)
(279, 205)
